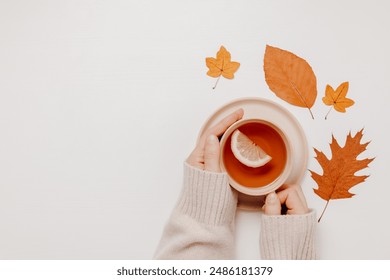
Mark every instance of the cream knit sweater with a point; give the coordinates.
(202, 224)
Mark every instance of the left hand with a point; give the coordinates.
(205, 156)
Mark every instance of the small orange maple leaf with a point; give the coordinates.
(337, 98)
(221, 65)
(339, 171)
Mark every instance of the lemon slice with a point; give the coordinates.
(247, 152)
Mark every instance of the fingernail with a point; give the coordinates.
(271, 198)
(213, 138)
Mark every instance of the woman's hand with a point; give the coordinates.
(289, 196)
(205, 156)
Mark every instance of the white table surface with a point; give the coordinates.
(101, 101)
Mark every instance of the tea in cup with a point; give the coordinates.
(258, 180)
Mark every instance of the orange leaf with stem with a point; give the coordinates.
(337, 98)
(339, 171)
(290, 77)
(221, 65)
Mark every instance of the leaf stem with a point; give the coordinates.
(323, 211)
(302, 98)
(311, 113)
(326, 117)
(216, 83)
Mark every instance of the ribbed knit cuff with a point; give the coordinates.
(288, 236)
(207, 197)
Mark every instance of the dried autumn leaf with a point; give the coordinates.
(221, 65)
(339, 171)
(290, 77)
(337, 98)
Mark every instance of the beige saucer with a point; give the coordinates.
(260, 108)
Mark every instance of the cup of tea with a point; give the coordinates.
(257, 180)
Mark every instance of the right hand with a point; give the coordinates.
(291, 196)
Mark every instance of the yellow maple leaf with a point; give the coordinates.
(337, 98)
(221, 65)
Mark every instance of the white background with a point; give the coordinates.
(101, 102)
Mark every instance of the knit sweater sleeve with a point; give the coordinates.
(202, 223)
(288, 236)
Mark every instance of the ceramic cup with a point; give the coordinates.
(260, 180)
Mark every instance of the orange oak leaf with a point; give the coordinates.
(337, 98)
(339, 171)
(290, 77)
(221, 65)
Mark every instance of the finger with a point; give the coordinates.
(196, 159)
(293, 202)
(211, 154)
(272, 205)
(223, 124)
(221, 127)
(299, 191)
